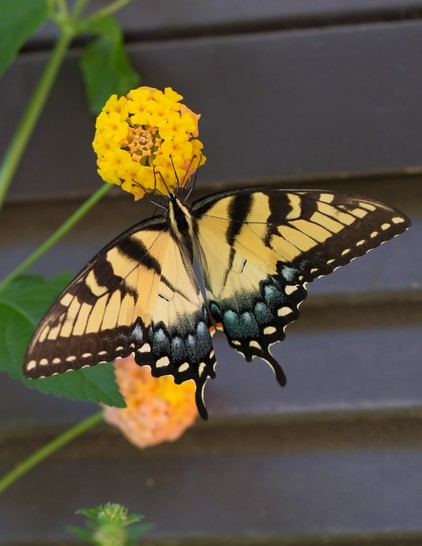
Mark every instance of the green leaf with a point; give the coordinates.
(33, 294)
(22, 304)
(18, 21)
(105, 65)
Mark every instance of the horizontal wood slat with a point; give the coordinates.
(295, 104)
(158, 18)
(275, 483)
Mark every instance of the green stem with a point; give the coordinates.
(63, 229)
(24, 130)
(61, 8)
(58, 442)
(78, 8)
(106, 10)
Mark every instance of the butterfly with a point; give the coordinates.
(256, 248)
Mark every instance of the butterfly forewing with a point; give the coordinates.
(92, 320)
(270, 243)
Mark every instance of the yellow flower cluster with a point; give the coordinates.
(157, 409)
(147, 141)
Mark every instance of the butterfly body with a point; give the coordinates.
(256, 249)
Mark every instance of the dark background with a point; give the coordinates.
(306, 94)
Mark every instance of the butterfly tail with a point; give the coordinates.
(275, 366)
(200, 404)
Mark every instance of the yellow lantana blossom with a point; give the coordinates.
(157, 409)
(147, 141)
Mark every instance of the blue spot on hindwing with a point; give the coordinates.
(199, 345)
(240, 326)
(203, 333)
(289, 273)
(137, 333)
(215, 310)
(230, 318)
(161, 342)
(178, 349)
(192, 348)
(263, 313)
(274, 297)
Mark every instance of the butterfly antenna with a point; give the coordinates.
(195, 177)
(156, 191)
(176, 176)
(157, 205)
(164, 182)
(135, 183)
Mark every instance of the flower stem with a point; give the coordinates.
(24, 130)
(78, 8)
(50, 448)
(63, 229)
(108, 9)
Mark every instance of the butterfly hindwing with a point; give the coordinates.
(259, 248)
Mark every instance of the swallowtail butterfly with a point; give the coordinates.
(257, 249)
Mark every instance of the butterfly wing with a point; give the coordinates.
(138, 295)
(258, 249)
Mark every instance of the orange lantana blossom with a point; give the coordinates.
(157, 409)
